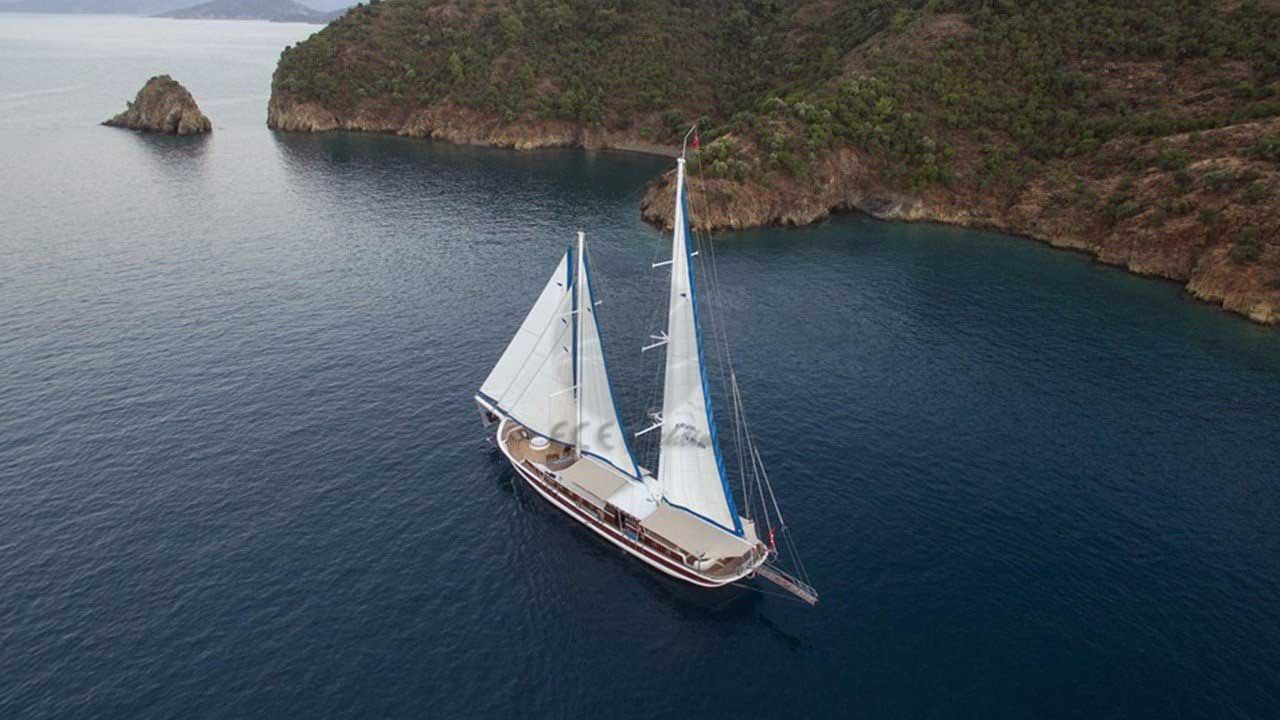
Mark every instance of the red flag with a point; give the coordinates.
(771, 545)
(695, 139)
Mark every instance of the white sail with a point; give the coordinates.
(690, 468)
(601, 430)
(533, 380)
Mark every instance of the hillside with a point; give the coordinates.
(274, 10)
(1145, 132)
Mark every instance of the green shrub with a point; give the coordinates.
(1173, 160)
(1120, 209)
(1226, 180)
(1267, 148)
(1247, 248)
(1256, 192)
(901, 19)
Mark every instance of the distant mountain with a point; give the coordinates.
(97, 7)
(328, 6)
(278, 10)
(274, 10)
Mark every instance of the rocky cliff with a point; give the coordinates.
(1146, 133)
(163, 105)
(456, 124)
(1186, 219)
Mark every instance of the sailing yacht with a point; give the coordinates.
(556, 421)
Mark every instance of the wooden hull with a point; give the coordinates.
(668, 566)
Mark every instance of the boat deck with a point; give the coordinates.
(612, 496)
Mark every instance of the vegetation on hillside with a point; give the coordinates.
(969, 96)
(1020, 77)
(591, 61)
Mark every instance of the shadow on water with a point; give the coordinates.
(175, 157)
(725, 609)
(588, 177)
(729, 607)
(172, 149)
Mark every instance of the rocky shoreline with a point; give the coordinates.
(456, 124)
(164, 106)
(1180, 248)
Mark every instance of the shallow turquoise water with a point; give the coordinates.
(240, 474)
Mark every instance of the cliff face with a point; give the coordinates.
(456, 124)
(1191, 224)
(163, 105)
(1155, 149)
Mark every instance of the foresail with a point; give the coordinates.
(690, 468)
(533, 380)
(602, 433)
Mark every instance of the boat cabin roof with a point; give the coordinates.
(594, 477)
(679, 527)
(698, 536)
(603, 483)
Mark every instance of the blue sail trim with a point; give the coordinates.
(513, 418)
(706, 393)
(498, 406)
(622, 429)
(702, 517)
(606, 461)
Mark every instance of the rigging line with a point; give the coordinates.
(737, 442)
(758, 471)
(525, 364)
(719, 330)
(762, 483)
(786, 533)
(719, 337)
(547, 358)
(707, 259)
(653, 447)
(764, 507)
(769, 485)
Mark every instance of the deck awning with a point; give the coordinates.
(697, 536)
(595, 477)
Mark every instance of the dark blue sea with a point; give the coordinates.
(241, 475)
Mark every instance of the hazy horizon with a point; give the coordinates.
(139, 7)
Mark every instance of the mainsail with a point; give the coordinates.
(601, 431)
(690, 467)
(533, 380)
(552, 378)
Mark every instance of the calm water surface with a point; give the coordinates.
(241, 476)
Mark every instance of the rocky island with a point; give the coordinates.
(163, 105)
(1145, 132)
